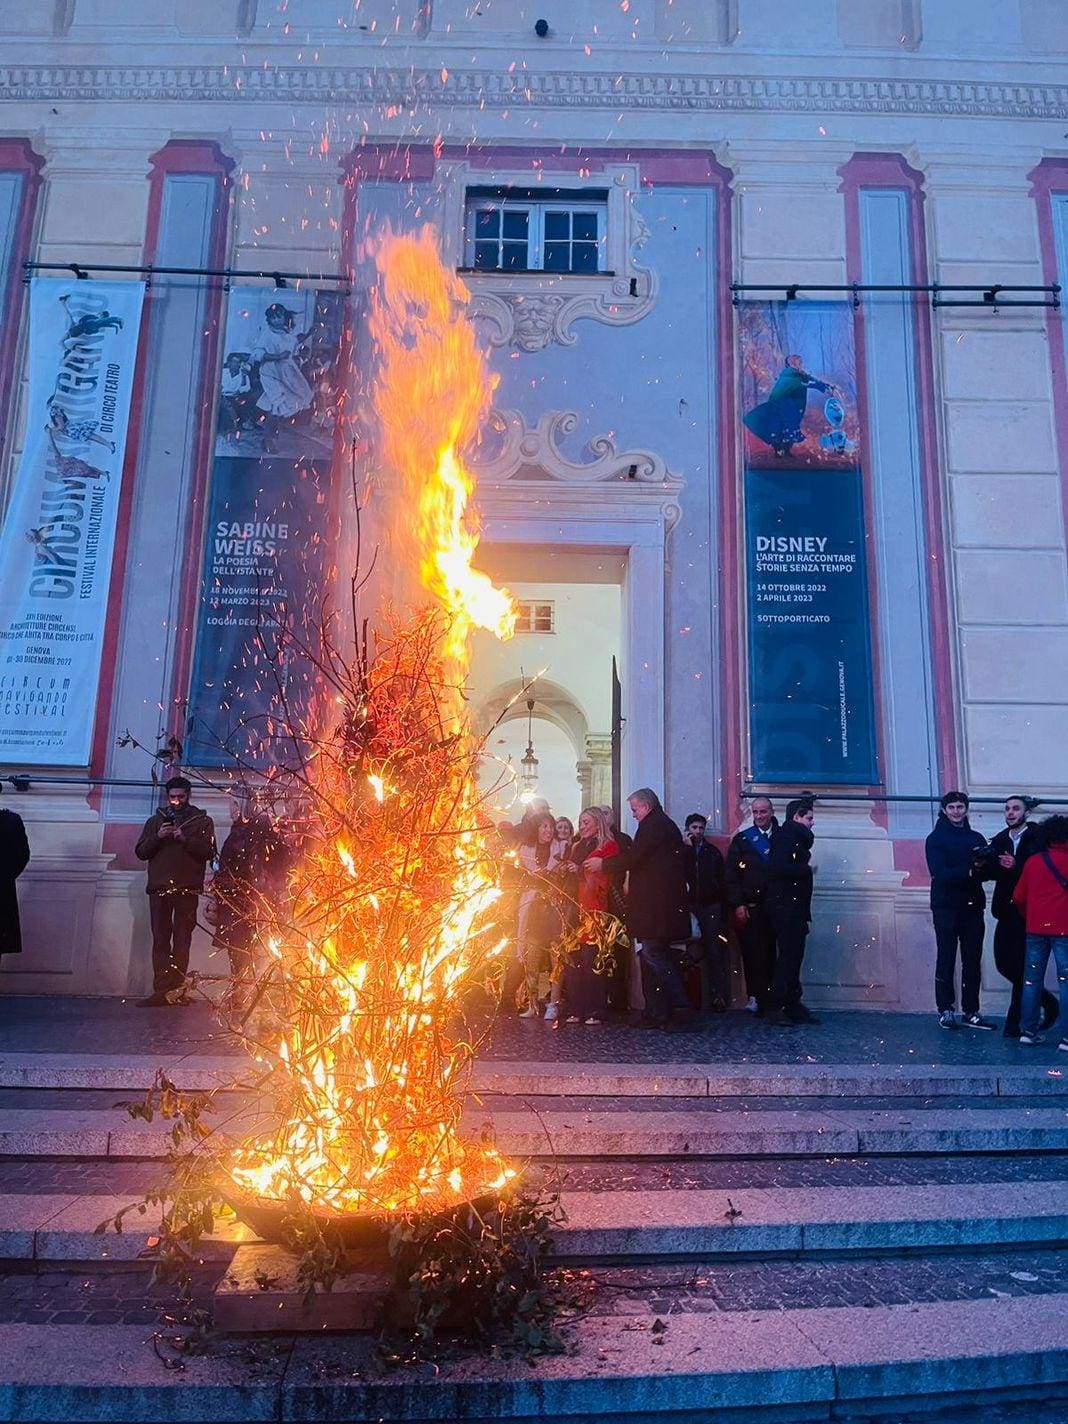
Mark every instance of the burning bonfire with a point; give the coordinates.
(390, 919)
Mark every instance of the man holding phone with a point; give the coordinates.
(177, 842)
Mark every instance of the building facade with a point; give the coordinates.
(606, 182)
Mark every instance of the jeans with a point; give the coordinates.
(1037, 955)
(963, 927)
(715, 966)
(1010, 958)
(661, 979)
(173, 917)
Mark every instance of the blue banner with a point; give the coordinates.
(812, 717)
(267, 549)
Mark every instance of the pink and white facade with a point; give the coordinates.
(901, 142)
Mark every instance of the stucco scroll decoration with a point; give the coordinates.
(532, 309)
(511, 448)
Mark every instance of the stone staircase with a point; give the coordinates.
(816, 1241)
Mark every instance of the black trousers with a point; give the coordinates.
(173, 916)
(960, 928)
(1009, 937)
(791, 932)
(662, 985)
(757, 940)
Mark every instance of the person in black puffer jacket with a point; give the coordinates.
(789, 904)
(956, 858)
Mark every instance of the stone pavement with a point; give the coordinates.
(867, 1216)
(32, 1024)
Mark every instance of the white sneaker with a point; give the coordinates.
(751, 1006)
(530, 1013)
(552, 1011)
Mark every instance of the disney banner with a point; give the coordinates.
(811, 718)
(266, 550)
(59, 531)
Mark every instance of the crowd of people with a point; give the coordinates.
(666, 902)
(1028, 865)
(606, 926)
(680, 900)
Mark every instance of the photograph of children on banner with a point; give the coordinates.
(279, 373)
(798, 385)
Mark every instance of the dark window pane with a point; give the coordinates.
(515, 256)
(486, 220)
(556, 257)
(515, 224)
(584, 257)
(486, 254)
(585, 227)
(556, 226)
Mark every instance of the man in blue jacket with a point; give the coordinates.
(956, 858)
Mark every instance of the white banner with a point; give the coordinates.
(59, 531)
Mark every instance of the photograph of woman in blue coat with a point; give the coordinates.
(777, 421)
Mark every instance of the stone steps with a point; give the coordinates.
(1037, 1076)
(637, 1226)
(787, 1367)
(110, 1134)
(520, 1132)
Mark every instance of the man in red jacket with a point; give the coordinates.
(1041, 896)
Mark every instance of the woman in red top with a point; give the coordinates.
(1041, 896)
(586, 993)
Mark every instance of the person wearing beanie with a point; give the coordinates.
(177, 841)
(956, 858)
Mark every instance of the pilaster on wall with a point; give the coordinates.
(152, 600)
(1050, 179)
(910, 603)
(1005, 512)
(19, 161)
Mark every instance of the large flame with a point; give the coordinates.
(392, 917)
(434, 389)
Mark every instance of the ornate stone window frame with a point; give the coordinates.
(533, 309)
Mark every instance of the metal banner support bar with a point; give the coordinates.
(988, 295)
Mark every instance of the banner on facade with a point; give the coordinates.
(811, 717)
(267, 543)
(58, 535)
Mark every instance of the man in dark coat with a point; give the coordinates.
(658, 911)
(746, 881)
(956, 856)
(14, 858)
(789, 902)
(177, 841)
(704, 874)
(1010, 849)
(247, 887)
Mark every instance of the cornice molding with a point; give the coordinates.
(492, 89)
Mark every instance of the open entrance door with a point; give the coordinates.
(563, 659)
(617, 744)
